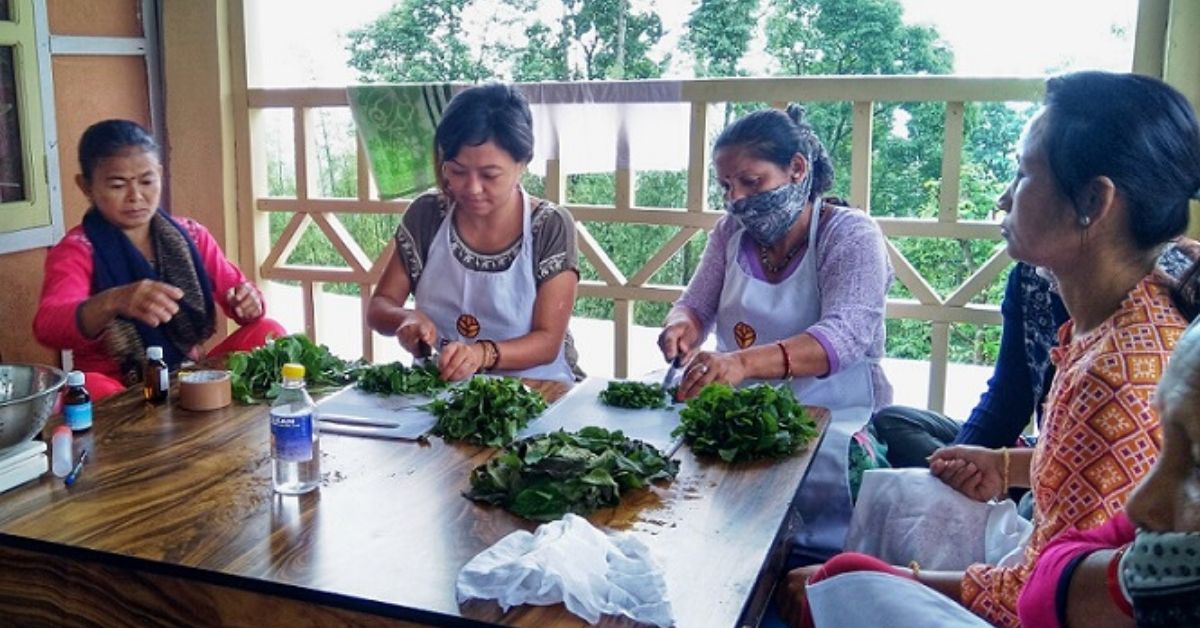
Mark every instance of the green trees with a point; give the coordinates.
(561, 40)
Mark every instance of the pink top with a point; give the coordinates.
(68, 283)
(1038, 604)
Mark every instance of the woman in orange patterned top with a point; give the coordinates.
(1105, 173)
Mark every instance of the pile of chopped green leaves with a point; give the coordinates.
(486, 411)
(635, 395)
(255, 374)
(544, 477)
(398, 379)
(745, 423)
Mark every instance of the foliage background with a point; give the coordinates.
(424, 40)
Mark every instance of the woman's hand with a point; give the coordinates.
(245, 301)
(459, 361)
(793, 605)
(151, 302)
(977, 472)
(415, 329)
(708, 367)
(678, 340)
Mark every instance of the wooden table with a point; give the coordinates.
(173, 522)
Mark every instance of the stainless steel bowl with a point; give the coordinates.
(27, 396)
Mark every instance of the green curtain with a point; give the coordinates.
(396, 125)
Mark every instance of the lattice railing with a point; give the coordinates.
(624, 290)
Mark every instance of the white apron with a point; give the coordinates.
(760, 313)
(468, 305)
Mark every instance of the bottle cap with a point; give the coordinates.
(154, 353)
(75, 378)
(293, 371)
(62, 429)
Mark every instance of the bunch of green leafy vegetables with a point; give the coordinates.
(255, 374)
(398, 379)
(486, 411)
(635, 395)
(544, 477)
(759, 421)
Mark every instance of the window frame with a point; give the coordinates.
(37, 220)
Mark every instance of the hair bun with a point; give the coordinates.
(796, 113)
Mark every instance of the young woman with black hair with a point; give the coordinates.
(493, 271)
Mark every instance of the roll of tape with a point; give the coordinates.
(204, 390)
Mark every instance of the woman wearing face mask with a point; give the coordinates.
(794, 288)
(492, 271)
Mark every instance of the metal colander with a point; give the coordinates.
(27, 396)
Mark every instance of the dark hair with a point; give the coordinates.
(1139, 132)
(776, 137)
(107, 138)
(495, 112)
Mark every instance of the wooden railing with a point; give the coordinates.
(614, 285)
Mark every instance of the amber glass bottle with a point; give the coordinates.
(156, 378)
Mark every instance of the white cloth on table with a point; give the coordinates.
(908, 514)
(572, 562)
(869, 598)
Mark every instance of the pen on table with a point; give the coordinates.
(71, 477)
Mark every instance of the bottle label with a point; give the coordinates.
(78, 416)
(292, 437)
(164, 380)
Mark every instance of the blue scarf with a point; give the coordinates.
(118, 262)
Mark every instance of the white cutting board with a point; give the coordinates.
(581, 407)
(357, 413)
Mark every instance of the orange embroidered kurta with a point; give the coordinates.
(1100, 435)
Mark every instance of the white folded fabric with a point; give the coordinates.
(868, 598)
(908, 514)
(572, 562)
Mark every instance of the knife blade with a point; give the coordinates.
(424, 352)
(672, 369)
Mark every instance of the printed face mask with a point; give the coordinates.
(767, 216)
(1161, 575)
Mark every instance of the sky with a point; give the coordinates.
(302, 42)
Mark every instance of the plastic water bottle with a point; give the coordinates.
(295, 448)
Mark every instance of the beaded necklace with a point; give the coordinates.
(775, 269)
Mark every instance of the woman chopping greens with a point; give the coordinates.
(493, 271)
(794, 289)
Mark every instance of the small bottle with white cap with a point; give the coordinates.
(77, 403)
(156, 377)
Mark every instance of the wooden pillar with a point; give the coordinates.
(1181, 67)
(200, 116)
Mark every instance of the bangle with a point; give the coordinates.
(1004, 476)
(1113, 580)
(916, 569)
(787, 360)
(491, 354)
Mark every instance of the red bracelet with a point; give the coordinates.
(787, 360)
(1113, 580)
